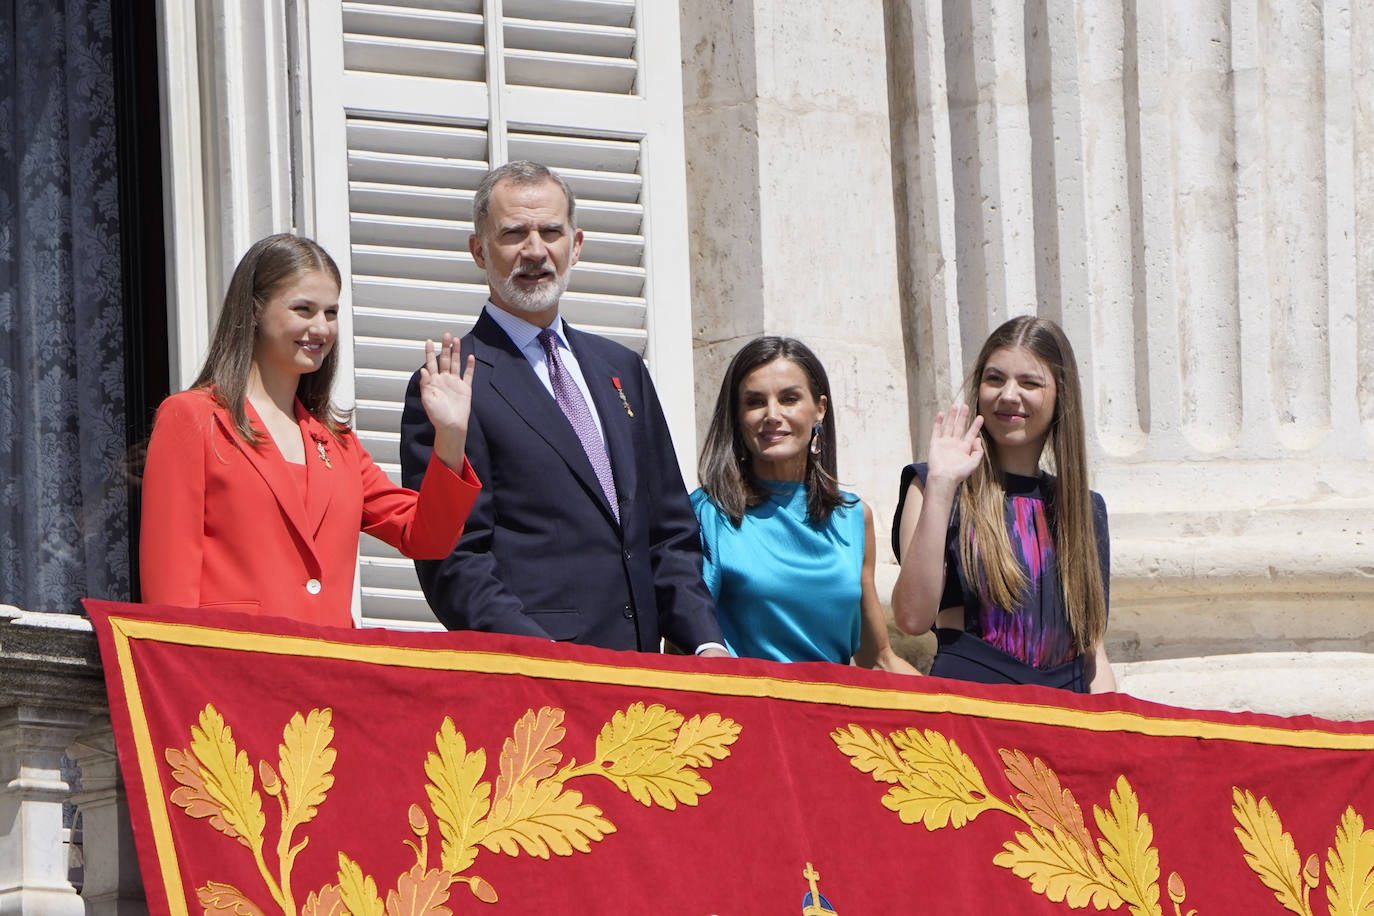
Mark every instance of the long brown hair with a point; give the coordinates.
(984, 544)
(267, 266)
(727, 468)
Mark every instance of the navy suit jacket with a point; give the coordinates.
(541, 554)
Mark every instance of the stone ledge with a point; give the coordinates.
(49, 660)
(1333, 685)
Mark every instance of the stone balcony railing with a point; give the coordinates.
(66, 847)
(59, 830)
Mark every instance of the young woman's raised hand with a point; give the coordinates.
(447, 399)
(955, 446)
(446, 395)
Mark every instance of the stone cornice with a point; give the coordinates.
(49, 660)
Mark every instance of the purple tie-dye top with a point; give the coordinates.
(1037, 631)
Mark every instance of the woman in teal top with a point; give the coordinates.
(788, 556)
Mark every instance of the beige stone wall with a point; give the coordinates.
(1188, 187)
(789, 184)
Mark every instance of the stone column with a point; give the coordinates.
(1186, 187)
(111, 884)
(791, 211)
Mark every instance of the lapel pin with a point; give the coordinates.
(615, 380)
(324, 455)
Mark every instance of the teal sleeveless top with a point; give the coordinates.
(786, 589)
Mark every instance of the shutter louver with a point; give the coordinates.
(442, 40)
(587, 45)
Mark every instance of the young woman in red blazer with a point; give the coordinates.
(255, 488)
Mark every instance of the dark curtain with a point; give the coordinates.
(64, 496)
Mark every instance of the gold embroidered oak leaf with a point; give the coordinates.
(191, 795)
(657, 777)
(702, 739)
(1269, 850)
(1059, 867)
(458, 795)
(1044, 799)
(305, 760)
(327, 902)
(870, 752)
(1348, 866)
(942, 786)
(218, 899)
(1127, 851)
(541, 818)
(637, 730)
(358, 891)
(531, 753)
(420, 893)
(228, 777)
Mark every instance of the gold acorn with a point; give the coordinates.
(1312, 871)
(418, 822)
(270, 783)
(1177, 892)
(481, 889)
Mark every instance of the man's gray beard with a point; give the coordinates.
(540, 299)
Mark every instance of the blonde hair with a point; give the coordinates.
(984, 543)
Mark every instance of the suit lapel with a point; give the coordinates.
(321, 464)
(601, 380)
(270, 465)
(514, 380)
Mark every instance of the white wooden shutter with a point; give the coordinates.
(429, 94)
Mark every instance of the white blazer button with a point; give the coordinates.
(313, 586)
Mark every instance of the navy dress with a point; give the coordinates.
(1032, 642)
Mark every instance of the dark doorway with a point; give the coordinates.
(138, 115)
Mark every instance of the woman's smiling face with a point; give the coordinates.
(298, 325)
(777, 413)
(1016, 398)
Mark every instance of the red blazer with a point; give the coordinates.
(225, 524)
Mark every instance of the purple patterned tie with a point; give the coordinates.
(574, 407)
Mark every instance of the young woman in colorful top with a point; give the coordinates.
(789, 557)
(255, 489)
(1008, 562)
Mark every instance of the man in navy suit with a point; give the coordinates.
(583, 530)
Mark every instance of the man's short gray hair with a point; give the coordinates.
(523, 172)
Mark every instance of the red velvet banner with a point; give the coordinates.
(274, 768)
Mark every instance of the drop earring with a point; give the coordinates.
(816, 439)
